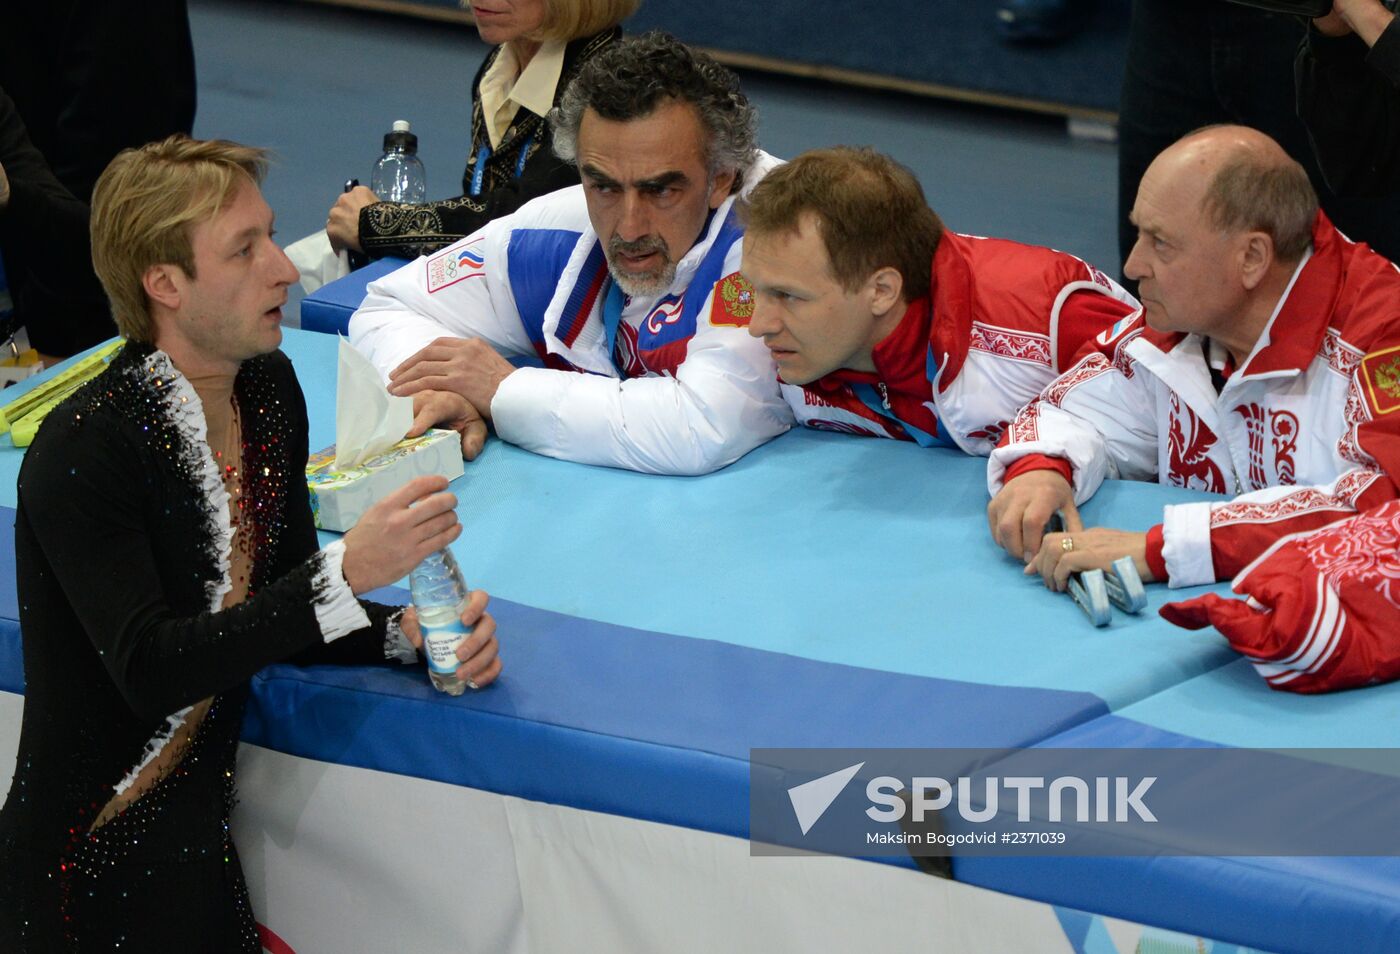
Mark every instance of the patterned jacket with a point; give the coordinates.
(1302, 435)
(523, 167)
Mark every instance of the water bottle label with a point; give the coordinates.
(440, 644)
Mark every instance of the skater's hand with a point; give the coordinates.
(478, 652)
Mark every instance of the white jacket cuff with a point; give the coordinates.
(337, 611)
(1186, 545)
(1086, 471)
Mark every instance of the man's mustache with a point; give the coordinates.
(642, 246)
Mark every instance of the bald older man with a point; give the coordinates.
(1265, 365)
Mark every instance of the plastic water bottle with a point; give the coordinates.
(439, 596)
(398, 175)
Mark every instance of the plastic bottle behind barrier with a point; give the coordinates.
(398, 175)
(439, 595)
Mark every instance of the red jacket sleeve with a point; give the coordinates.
(1322, 610)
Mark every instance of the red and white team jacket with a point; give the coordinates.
(1002, 320)
(1305, 433)
(678, 386)
(1322, 609)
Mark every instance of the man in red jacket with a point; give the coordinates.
(1266, 366)
(882, 323)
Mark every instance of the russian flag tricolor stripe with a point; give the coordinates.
(584, 296)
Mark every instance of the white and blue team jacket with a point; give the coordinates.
(694, 391)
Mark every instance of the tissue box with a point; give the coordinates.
(339, 498)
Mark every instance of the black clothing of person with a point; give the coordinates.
(1192, 63)
(92, 77)
(44, 241)
(405, 230)
(89, 78)
(121, 562)
(1349, 98)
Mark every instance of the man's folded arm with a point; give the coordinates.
(722, 403)
(1093, 417)
(408, 309)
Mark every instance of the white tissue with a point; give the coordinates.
(316, 262)
(368, 419)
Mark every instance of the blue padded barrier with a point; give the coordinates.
(328, 309)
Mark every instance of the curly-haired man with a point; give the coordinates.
(632, 277)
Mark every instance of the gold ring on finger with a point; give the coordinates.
(1067, 544)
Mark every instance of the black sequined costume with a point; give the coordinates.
(122, 557)
(407, 231)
